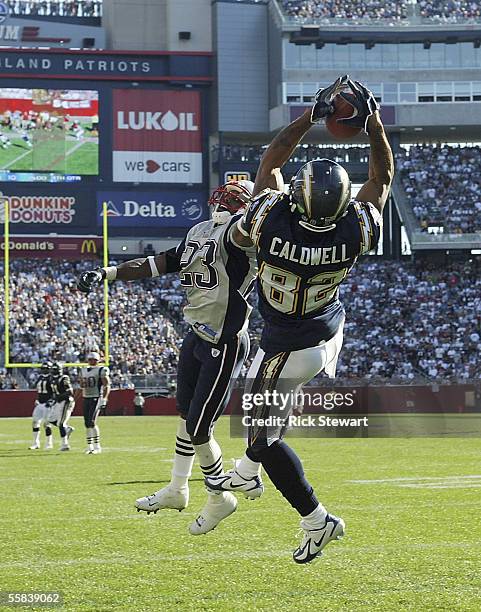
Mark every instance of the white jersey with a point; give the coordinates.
(217, 276)
(91, 380)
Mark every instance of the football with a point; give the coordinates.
(343, 110)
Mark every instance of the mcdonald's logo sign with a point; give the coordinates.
(88, 246)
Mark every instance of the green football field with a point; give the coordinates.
(51, 152)
(412, 510)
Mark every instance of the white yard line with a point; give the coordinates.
(17, 158)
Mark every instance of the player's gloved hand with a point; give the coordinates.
(324, 98)
(88, 280)
(364, 102)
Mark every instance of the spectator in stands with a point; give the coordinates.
(351, 10)
(443, 184)
(399, 326)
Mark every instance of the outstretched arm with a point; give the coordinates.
(135, 269)
(381, 165)
(281, 148)
(279, 151)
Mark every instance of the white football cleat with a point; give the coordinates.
(315, 540)
(213, 513)
(34, 447)
(234, 482)
(168, 497)
(48, 446)
(65, 447)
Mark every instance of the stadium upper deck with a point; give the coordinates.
(408, 13)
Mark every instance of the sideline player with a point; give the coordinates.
(307, 242)
(41, 409)
(64, 404)
(217, 276)
(95, 383)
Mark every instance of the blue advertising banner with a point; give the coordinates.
(131, 209)
(145, 65)
(46, 209)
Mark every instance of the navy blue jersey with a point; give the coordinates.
(300, 270)
(44, 388)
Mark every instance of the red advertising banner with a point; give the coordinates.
(157, 136)
(67, 247)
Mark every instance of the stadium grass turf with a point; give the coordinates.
(51, 155)
(67, 522)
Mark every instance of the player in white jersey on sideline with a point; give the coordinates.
(218, 276)
(41, 409)
(95, 383)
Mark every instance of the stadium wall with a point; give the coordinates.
(154, 196)
(433, 399)
(241, 40)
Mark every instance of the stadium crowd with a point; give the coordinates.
(447, 11)
(405, 322)
(53, 8)
(303, 153)
(450, 11)
(345, 9)
(443, 185)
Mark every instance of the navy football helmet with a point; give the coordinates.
(321, 192)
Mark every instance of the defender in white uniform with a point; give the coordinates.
(95, 383)
(217, 275)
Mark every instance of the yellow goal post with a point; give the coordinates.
(6, 237)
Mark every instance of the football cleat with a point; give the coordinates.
(34, 447)
(213, 513)
(168, 497)
(70, 431)
(65, 447)
(234, 482)
(315, 540)
(48, 446)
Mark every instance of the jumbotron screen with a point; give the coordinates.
(48, 135)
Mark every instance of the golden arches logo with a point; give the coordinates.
(88, 246)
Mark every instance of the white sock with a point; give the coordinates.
(209, 455)
(316, 519)
(96, 436)
(90, 438)
(36, 438)
(247, 468)
(65, 441)
(214, 499)
(183, 457)
(49, 440)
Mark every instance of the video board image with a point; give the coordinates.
(49, 130)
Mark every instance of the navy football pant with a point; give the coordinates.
(205, 375)
(91, 411)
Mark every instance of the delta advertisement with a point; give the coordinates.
(152, 209)
(157, 136)
(46, 211)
